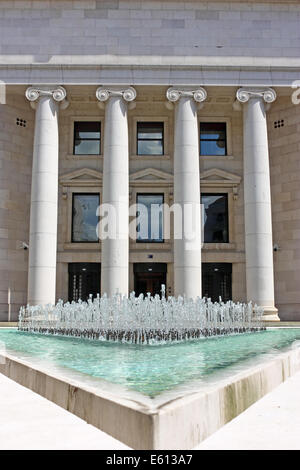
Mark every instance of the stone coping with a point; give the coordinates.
(178, 423)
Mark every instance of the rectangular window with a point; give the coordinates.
(215, 217)
(213, 138)
(150, 218)
(87, 138)
(84, 217)
(150, 138)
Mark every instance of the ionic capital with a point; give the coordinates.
(58, 94)
(174, 94)
(267, 94)
(103, 93)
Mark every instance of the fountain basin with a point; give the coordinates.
(174, 413)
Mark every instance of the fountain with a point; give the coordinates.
(142, 320)
(188, 366)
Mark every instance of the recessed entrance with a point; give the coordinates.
(84, 279)
(148, 277)
(216, 281)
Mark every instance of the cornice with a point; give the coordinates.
(259, 74)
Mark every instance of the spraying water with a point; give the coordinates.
(142, 320)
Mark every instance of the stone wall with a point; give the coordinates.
(284, 144)
(15, 183)
(140, 31)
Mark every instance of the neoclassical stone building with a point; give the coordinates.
(156, 103)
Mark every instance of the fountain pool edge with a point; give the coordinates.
(180, 423)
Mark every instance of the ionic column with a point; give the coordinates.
(187, 229)
(115, 246)
(257, 200)
(44, 189)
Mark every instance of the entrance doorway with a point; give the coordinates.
(216, 281)
(148, 277)
(84, 279)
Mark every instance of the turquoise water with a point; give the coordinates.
(149, 370)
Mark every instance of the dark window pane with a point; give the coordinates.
(213, 130)
(150, 130)
(216, 281)
(87, 136)
(150, 217)
(150, 138)
(215, 218)
(213, 138)
(87, 130)
(85, 217)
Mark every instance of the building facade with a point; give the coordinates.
(155, 104)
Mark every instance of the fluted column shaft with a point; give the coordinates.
(257, 200)
(44, 190)
(115, 247)
(187, 228)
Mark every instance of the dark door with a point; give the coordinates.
(216, 281)
(149, 277)
(84, 279)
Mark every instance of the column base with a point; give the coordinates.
(270, 314)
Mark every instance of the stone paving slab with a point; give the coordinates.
(272, 423)
(29, 421)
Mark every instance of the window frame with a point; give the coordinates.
(163, 201)
(217, 119)
(88, 139)
(150, 140)
(133, 137)
(214, 140)
(70, 149)
(82, 193)
(217, 193)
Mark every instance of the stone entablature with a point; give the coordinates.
(176, 41)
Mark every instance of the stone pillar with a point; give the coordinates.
(44, 189)
(115, 196)
(187, 229)
(257, 200)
